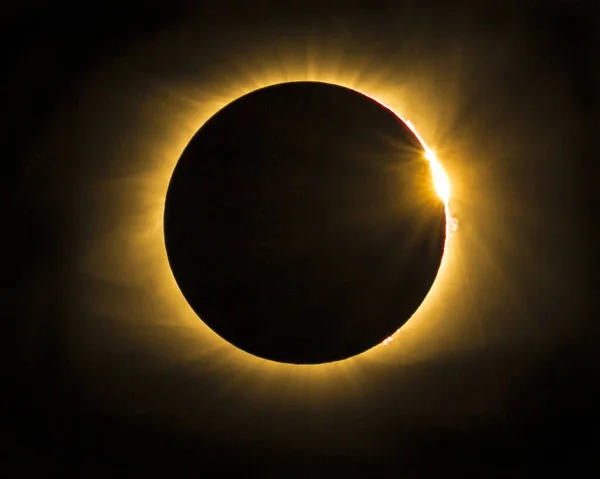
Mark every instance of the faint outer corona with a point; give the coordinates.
(302, 223)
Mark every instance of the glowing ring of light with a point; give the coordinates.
(439, 177)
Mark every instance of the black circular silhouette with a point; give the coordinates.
(302, 225)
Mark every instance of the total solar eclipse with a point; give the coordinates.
(302, 223)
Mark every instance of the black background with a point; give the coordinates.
(537, 372)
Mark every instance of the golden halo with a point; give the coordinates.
(134, 253)
(439, 181)
(439, 177)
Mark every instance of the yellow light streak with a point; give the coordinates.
(440, 178)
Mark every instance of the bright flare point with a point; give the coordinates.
(440, 178)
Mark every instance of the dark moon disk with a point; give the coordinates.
(302, 224)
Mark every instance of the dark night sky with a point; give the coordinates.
(105, 376)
